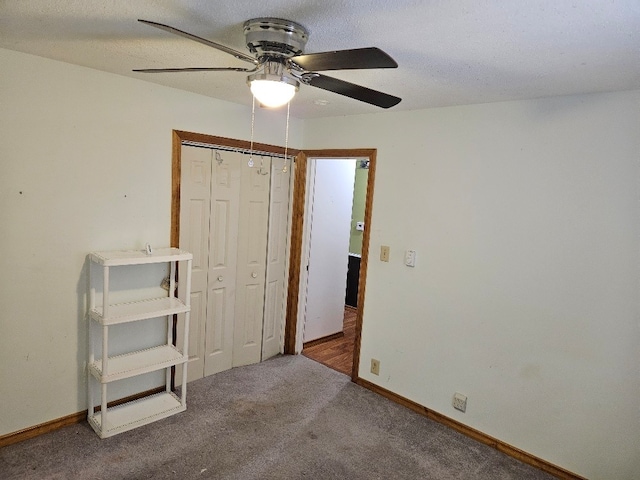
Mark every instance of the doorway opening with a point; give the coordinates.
(294, 328)
(334, 234)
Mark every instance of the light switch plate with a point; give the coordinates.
(410, 258)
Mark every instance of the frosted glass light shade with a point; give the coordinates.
(272, 93)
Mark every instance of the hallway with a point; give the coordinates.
(336, 353)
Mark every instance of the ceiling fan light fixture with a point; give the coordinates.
(272, 88)
(277, 47)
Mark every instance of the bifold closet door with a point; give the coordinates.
(209, 218)
(276, 278)
(195, 205)
(226, 193)
(252, 254)
(224, 218)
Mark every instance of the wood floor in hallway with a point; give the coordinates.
(338, 352)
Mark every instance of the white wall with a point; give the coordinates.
(525, 296)
(85, 164)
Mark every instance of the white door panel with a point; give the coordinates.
(329, 247)
(194, 237)
(252, 253)
(270, 329)
(219, 332)
(223, 236)
(275, 301)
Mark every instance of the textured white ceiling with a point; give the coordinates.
(449, 52)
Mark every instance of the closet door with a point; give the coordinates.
(224, 222)
(276, 281)
(209, 217)
(223, 261)
(251, 269)
(195, 200)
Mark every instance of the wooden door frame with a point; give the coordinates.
(297, 238)
(297, 219)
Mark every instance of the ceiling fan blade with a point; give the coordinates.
(195, 69)
(356, 58)
(204, 41)
(354, 91)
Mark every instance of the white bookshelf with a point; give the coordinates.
(136, 414)
(110, 421)
(140, 310)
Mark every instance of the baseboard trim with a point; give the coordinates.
(41, 429)
(52, 425)
(320, 340)
(499, 445)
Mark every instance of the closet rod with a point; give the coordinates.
(224, 148)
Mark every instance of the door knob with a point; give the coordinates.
(220, 278)
(254, 275)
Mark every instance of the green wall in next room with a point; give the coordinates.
(357, 215)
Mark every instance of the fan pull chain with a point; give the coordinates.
(286, 139)
(253, 121)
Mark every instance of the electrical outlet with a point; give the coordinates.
(375, 366)
(459, 402)
(384, 253)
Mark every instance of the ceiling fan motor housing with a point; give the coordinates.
(275, 37)
(274, 71)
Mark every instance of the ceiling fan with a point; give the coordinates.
(279, 65)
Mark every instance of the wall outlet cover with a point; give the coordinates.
(459, 402)
(375, 366)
